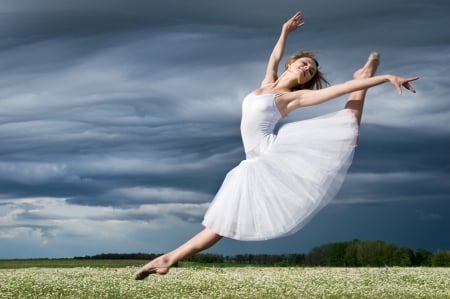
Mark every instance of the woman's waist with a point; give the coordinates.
(256, 146)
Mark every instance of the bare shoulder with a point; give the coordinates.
(282, 101)
(268, 88)
(289, 101)
(289, 96)
(267, 83)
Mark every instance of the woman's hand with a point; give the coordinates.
(398, 82)
(294, 23)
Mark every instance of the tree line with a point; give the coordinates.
(353, 253)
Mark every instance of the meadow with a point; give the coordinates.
(103, 280)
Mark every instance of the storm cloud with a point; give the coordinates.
(119, 120)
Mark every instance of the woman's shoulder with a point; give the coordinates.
(270, 90)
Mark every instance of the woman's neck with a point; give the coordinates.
(286, 81)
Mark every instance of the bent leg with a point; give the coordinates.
(201, 241)
(355, 102)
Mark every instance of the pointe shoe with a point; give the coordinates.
(374, 60)
(369, 69)
(143, 273)
(374, 56)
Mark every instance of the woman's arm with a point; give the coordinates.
(303, 98)
(272, 66)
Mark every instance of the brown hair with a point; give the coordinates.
(316, 82)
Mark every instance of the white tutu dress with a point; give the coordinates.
(287, 178)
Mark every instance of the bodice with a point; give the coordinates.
(259, 117)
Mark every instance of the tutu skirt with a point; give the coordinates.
(277, 192)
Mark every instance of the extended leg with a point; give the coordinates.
(161, 265)
(355, 101)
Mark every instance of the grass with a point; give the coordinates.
(99, 280)
(69, 263)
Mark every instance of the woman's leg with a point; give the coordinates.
(161, 265)
(355, 101)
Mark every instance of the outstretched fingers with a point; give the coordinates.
(405, 82)
(295, 22)
(298, 19)
(409, 86)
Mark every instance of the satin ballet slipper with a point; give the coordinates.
(374, 56)
(373, 61)
(143, 273)
(369, 69)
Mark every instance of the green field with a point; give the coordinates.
(114, 279)
(69, 263)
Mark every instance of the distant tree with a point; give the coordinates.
(422, 257)
(335, 254)
(441, 258)
(206, 258)
(351, 254)
(404, 257)
(357, 253)
(316, 257)
(354, 253)
(295, 259)
(241, 258)
(376, 254)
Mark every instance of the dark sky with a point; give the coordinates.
(120, 119)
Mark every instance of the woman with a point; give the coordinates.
(288, 177)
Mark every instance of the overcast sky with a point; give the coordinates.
(120, 119)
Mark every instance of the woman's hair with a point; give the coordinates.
(316, 82)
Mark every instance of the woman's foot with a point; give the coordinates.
(369, 69)
(144, 272)
(355, 101)
(156, 266)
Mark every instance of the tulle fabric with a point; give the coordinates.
(276, 192)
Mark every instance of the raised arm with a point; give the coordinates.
(290, 25)
(303, 98)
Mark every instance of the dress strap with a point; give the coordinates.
(280, 94)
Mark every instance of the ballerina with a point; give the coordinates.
(289, 176)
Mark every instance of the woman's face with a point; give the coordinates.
(305, 68)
